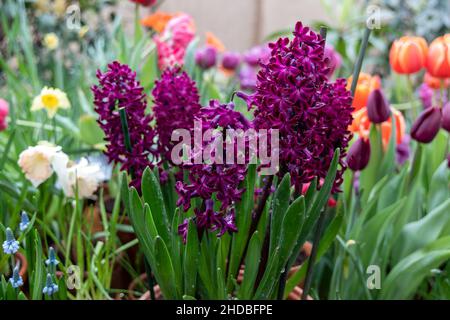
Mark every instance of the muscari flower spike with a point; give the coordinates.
(24, 221)
(16, 280)
(50, 287)
(51, 261)
(10, 245)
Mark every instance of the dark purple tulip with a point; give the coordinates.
(448, 160)
(231, 60)
(427, 125)
(358, 155)
(378, 108)
(446, 117)
(206, 57)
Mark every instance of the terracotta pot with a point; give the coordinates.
(304, 255)
(133, 285)
(93, 216)
(23, 265)
(146, 295)
(158, 294)
(296, 294)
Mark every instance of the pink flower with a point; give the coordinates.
(4, 111)
(173, 41)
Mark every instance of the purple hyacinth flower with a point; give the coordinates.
(312, 115)
(118, 88)
(208, 179)
(176, 102)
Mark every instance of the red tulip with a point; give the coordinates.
(408, 54)
(438, 60)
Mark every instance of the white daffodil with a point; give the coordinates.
(81, 176)
(51, 100)
(36, 162)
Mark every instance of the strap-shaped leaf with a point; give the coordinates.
(151, 193)
(290, 231)
(252, 261)
(280, 204)
(244, 211)
(166, 274)
(191, 252)
(321, 199)
(270, 277)
(408, 274)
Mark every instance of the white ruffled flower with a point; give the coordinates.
(81, 176)
(37, 162)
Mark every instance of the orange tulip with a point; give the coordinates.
(438, 60)
(158, 20)
(434, 82)
(366, 84)
(214, 42)
(361, 126)
(408, 54)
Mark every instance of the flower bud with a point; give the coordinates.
(366, 84)
(230, 60)
(377, 107)
(4, 111)
(427, 125)
(359, 154)
(206, 57)
(446, 117)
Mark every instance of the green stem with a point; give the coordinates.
(359, 61)
(411, 96)
(126, 135)
(312, 258)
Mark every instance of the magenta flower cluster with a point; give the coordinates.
(176, 102)
(312, 115)
(118, 88)
(215, 180)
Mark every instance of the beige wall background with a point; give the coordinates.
(239, 23)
